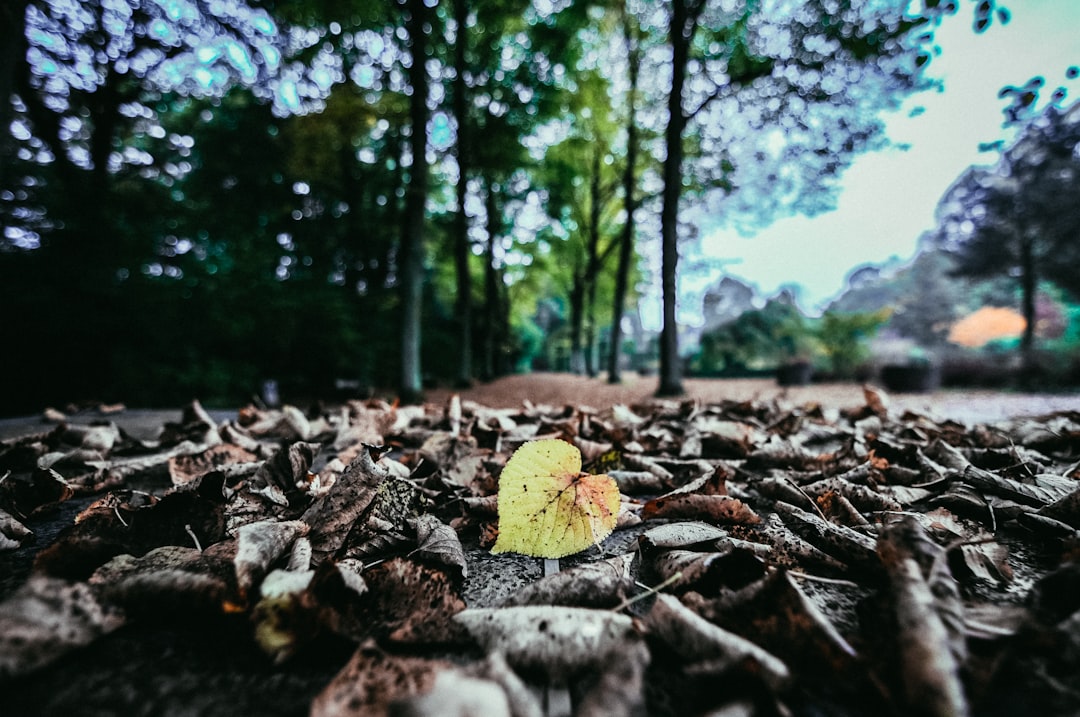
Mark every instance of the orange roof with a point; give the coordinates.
(988, 323)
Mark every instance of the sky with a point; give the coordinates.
(870, 224)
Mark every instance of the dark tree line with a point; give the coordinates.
(196, 200)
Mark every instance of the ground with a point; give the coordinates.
(823, 549)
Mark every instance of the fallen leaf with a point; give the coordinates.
(928, 643)
(12, 532)
(557, 641)
(547, 507)
(718, 508)
(695, 639)
(372, 680)
(45, 619)
(603, 583)
(439, 542)
(260, 544)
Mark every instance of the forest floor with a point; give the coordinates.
(560, 389)
(824, 549)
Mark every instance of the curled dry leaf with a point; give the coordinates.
(349, 499)
(681, 535)
(553, 640)
(286, 468)
(260, 544)
(458, 457)
(730, 568)
(45, 619)
(12, 532)
(373, 680)
(170, 582)
(1065, 509)
(695, 639)
(439, 542)
(931, 670)
(603, 583)
(839, 541)
(632, 482)
(718, 508)
(185, 468)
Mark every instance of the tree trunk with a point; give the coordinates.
(626, 242)
(680, 35)
(577, 312)
(463, 305)
(592, 267)
(1028, 287)
(411, 256)
(491, 284)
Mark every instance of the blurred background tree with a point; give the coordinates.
(1020, 218)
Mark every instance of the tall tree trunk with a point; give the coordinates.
(577, 316)
(592, 267)
(1028, 288)
(491, 284)
(412, 240)
(463, 305)
(626, 241)
(680, 33)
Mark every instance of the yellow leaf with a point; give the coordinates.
(548, 508)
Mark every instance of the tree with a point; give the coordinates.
(412, 238)
(1020, 217)
(460, 104)
(579, 179)
(757, 339)
(784, 95)
(631, 36)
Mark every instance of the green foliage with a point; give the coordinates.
(844, 338)
(758, 339)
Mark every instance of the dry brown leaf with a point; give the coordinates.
(695, 639)
(348, 501)
(439, 542)
(695, 506)
(601, 583)
(373, 680)
(45, 619)
(554, 640)
(260, 544)
(928, 648)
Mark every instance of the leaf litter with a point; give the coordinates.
(765, 559)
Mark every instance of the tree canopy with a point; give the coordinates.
(197, 196)
(1019, 217)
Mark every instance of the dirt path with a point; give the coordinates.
(557, 389)
(560, 389)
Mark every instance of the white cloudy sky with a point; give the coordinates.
(889, 197)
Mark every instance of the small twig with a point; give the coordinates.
(648, 591)
(189, 531)
(821, 579)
